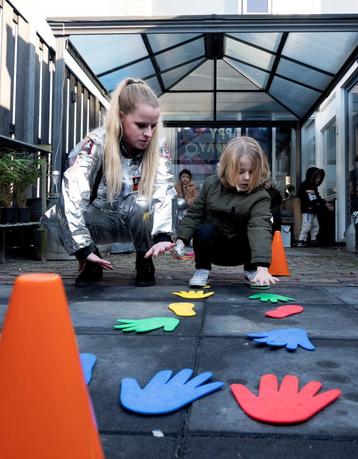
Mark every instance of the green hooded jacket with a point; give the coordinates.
(236, 214)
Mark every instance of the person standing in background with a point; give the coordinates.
(186, 188)
(311, 204)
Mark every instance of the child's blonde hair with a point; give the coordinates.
(127, 96)
(229, 164)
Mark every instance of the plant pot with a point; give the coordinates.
(9, 215)
(36, 208)
(23, 214)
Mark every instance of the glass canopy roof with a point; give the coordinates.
(269, 73)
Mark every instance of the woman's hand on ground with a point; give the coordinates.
(159, 248)
(263, 277)
(105, 264)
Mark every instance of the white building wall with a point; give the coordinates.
(334, 107)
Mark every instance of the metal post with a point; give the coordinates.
(58, 104)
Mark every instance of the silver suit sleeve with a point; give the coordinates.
(77, 183)
(163, 194)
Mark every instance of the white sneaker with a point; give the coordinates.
(200, 278)
(249, 280)
(249, 277)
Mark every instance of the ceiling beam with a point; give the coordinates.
(65, 26)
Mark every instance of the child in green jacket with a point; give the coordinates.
(230, 221)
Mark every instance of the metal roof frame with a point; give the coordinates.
(214, 29)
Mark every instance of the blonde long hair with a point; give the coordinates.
(229, 164)
(125, 98)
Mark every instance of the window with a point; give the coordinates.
(256, 6)
(353, 148)
(308, 147)
(329, 151)
(199, 150)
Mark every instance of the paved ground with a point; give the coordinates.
(324, 281)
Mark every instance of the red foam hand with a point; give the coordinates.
(284, 404)
(284, 311)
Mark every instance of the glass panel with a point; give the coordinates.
(269, 41)
(353, 149)
(325, 50)
(173, 76)
(302, 74)
(140, 70)
(256, 6)
(263, 136)
(256, 76)
(159, 41)
(298, 98)
(119, 50)
(200, 79)
(329, 148)
(248, 54)
(250, 105)
(229, 78)
(199, 150)
(185, 107)
(180, 54)
(282, 164)
(308, 146)
(154, 84)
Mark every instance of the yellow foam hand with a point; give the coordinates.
(193, 294)
(183, 309)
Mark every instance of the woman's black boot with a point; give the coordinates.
(91, 273)
(145, 271)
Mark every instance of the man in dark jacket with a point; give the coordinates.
(311, 204)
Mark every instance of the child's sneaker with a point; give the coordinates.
(200, 278)
(301, 244)
(249, 277)
(249, 280)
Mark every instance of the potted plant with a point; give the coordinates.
(18, 171)
(7, 177)
(28, 169)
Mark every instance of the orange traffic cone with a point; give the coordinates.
(45, 409)
(279, 266)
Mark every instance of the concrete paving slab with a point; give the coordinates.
(346, 294)
(323, 321)
(140, 357)
(5, 292)
(101, 316)
(301, 295)
(233, 360)
(138, 446)
(125, 292)
(273, 448)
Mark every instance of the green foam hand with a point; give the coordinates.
(144, 325)
(272, 297)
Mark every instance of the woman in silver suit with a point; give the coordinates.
(118, 188)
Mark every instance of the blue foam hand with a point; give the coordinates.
(87, 362)
(289, 337)
(165, 393)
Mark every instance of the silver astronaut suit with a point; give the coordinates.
(80, 223)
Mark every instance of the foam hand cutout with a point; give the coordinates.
(272, 297)
(87, 362)
(289, 337)
(193, 294)
(284, 404)
(165, 393)
(144, 325)
(183, 309)
(284, 311)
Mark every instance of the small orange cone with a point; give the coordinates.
(279, 266)
(45, 408)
